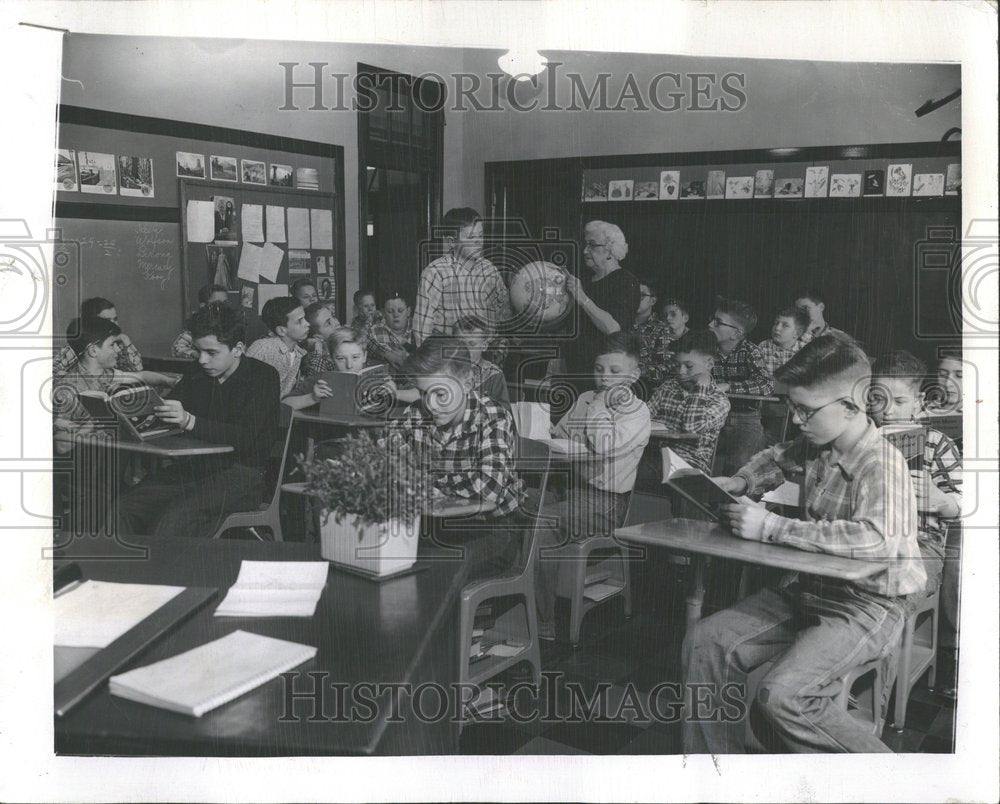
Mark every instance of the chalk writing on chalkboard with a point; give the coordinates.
(155, 253)
(107, 244)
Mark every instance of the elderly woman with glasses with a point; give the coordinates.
(607, 300)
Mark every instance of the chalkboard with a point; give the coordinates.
(135, 264)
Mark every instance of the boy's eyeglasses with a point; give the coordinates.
(720, 323)
(805, 414)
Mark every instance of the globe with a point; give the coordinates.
(538, 294)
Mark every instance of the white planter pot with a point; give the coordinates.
(378, 549)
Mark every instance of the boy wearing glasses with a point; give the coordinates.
(860, 504)
(654, 337)
(739, 370)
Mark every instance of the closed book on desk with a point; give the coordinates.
(694, 484)
(203, 678)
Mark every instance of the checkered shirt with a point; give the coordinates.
(129, 359)
(944, 462)
(861, 506)
(699, 410)
(743, 368)
(654, 355)
(473, 457)
(776, 356)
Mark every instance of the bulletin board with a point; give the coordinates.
(217, 263)
(126, 232)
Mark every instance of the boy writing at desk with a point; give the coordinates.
(860, 504)
(471, 441)
(613, 426)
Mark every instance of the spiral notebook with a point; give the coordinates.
(203, 678)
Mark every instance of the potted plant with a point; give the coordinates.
(372, 494)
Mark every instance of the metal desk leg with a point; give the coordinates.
(696, 591)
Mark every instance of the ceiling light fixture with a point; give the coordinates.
(522, 63)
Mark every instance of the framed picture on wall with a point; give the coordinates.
(253, 172)
(135, 176)
(190, 166)
(280, 176)
(66, 178)
(223, 168)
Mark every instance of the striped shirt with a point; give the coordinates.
(698, 410)
(859, 506)
(450, 290)
(474, 457)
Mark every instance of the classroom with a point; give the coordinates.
(527, 388)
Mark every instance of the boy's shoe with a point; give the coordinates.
(547, 632)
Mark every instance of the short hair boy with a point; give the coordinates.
(183, 345)
(613, 426)
(739, 370)
(949, 380)
(691, 402)
(487, 378)
(472, 444)
(366, 311)
(860, 504)
(230, 398)
(897, 399)
(815, 305)
(654, 335)
(129, 358)
(304, 289)
(788, 328)
(391, 339)
(322, 324)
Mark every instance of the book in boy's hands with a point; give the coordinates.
(132, 406)
(203, 678)
(364, 393)
(694, 484)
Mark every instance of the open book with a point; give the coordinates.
(532, 420)
(133, 407)
(357, 394)
(275, 589)
(694, 484)
(203, 678)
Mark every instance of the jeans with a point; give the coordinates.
(741, 438)
(489, 546)
(176, 502)
(951, 591)
(814, 633)
(585, 513)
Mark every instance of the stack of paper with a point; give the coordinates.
(201, 679)
(275, 589)
(96, 613)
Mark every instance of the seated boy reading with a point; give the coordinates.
(613, 425)
(471, 440)
(487, 377)
(228, 398)
(739, 370)
(859, 504)
(692, 403)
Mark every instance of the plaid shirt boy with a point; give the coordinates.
(285, 359)
(818, 332)
(654, 355)
(473, 457)
(944, 462)
(776, 356)
(698, 410)
(743, 368)
(450, 290)
(129, 359)
(381, 339)
(860, 506)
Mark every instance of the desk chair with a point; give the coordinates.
(268, 513)
(520, 621)
(917, 654)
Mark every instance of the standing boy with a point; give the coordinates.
(613, 426)
(228, 398)
(692, 403)
(739, 370)
(860, 505)
(472, 441)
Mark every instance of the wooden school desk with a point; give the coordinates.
(400, 630)
(702, 539)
